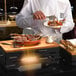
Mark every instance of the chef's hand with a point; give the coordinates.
(39, 15)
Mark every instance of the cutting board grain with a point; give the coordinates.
(10, 48)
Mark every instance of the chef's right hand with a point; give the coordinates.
(39, 15)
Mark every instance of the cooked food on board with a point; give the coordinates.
(26, 39)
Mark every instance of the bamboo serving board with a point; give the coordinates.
(63, 45)
(42, 44)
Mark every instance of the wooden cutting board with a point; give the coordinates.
(10, 47)
(63, 45)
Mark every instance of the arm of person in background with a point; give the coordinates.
(68, 24)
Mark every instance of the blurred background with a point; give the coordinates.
(12, 6)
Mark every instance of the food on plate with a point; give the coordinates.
(51, 23)
(55, 23)
(26, 39)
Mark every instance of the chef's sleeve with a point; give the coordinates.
(68, 24)
(24, 18)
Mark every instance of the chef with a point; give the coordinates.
(35, 12)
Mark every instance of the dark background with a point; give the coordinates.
(19, 3)
(10, 3)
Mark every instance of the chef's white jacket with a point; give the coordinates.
(60, 8)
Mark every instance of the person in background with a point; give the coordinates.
(35, 12)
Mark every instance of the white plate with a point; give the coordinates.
(46, 24)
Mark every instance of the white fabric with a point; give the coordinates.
(49, 7)
(72, 41)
